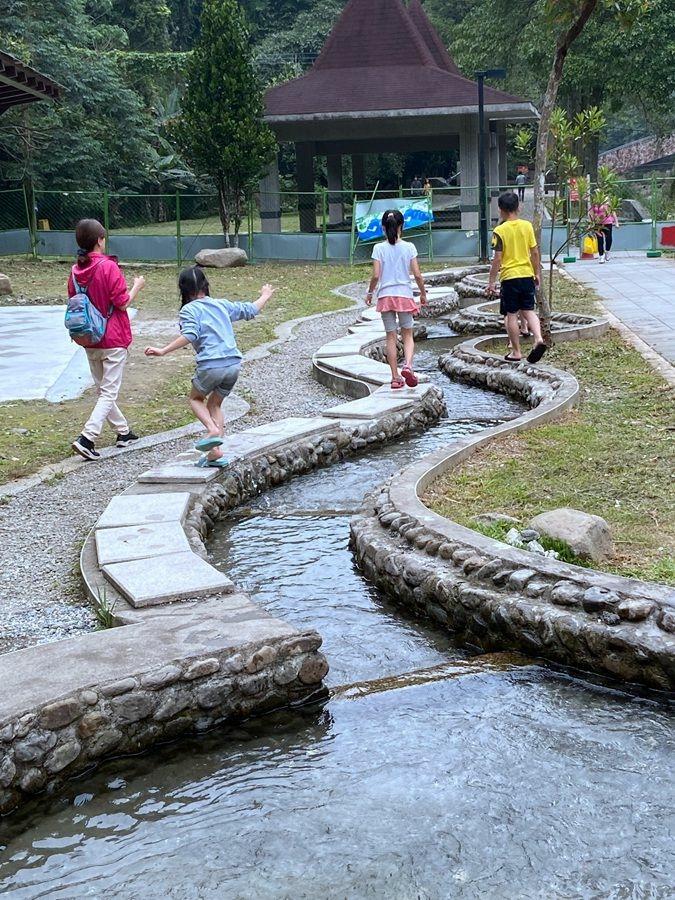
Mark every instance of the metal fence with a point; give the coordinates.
(174, 226)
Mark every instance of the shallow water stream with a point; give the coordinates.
(433, 772)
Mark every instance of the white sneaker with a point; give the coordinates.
(606, 256)
(602, 259)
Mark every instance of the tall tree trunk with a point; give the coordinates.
(565, 41)
(224, 210)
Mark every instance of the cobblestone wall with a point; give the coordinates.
(498, 597)
(68, 735)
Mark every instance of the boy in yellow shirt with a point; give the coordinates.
(516, 261)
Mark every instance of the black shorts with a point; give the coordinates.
(516, 294)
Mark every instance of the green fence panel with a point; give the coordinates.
(13, 214)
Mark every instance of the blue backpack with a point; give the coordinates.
(86, 325)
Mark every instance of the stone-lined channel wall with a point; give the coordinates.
(194, 652)
(498, 597)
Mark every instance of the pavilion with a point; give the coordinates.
(19, 84)
(383, 83)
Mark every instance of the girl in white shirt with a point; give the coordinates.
(393, 262)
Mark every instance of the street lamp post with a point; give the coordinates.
(482, 187)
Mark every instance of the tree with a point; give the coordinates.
(572, 192)
(572, 16)
(221, 128)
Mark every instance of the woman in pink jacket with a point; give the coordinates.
(107, 290)
(604, 220)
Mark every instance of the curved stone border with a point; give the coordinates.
(499, 597)
(193, 652)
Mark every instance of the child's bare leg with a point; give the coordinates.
(532, 320)
(513, 331)
(408, 346)
(201, 410)
(214, 405)
(392, 353)
(506, 329)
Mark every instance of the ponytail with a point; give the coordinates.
(192, 282)
(392, 223)
(88, 233)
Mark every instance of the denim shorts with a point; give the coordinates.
(220, 379)
(405, 319)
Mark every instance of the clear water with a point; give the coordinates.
(431, 773)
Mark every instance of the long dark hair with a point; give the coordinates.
(191, 282)
(87, 234)
(392, 220)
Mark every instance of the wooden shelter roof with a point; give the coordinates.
(20, 84)
(382, 57)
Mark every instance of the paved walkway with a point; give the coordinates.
(38, 361)
(640, 292)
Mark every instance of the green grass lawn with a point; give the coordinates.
(206, 225)
(613, 456)
(154, 391)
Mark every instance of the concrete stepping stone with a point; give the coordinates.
(370, 315)
(161, 579)
(361, 328)
(272, 435)
(377, 404)
(141, 509)
(139, 542)
(360, 367)
(343, 346)
(178, 472)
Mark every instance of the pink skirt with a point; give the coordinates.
(396, 304)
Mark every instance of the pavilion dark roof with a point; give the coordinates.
(440, 55)
(20, 84)
(380, 56)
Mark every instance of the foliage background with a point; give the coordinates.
(123, 63)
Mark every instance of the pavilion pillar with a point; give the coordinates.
(501, 143)
(270, 199)
(494, 181)
(468, 164)
(358, 171)
(304, 162)
(336, 210)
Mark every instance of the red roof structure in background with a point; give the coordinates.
(381, 57)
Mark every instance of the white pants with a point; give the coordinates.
(107, 368)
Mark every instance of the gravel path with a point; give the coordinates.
(42, 529)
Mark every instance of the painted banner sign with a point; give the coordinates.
(416, 212)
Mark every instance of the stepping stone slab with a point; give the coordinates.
(179, 473)
(361, 327)
(161, 579)
(370, 315)
(342, 346)
(377, 404)
(141, 509)
(360, 367)
(140, 541)
(272, 435)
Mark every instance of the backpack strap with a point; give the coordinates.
(84, 288)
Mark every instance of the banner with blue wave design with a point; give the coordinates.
(416, 211)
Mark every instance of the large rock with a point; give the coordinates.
(227, 258)
(5, 285)
(586, 535)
